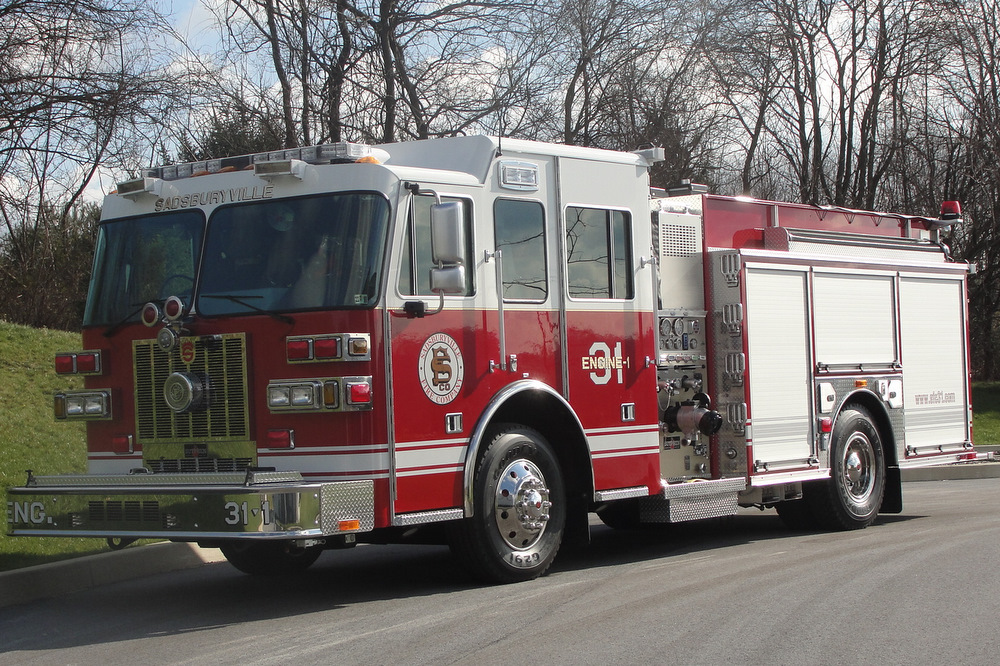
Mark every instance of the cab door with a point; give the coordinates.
(608, 318)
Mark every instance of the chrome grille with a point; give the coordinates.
(198, 465)
(219, 359)
(132, 511)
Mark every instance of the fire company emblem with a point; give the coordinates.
(441, 368)
(187, 350)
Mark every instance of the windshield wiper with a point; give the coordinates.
(241, 300)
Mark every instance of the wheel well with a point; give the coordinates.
(880, 417)
(892, 501)
(552, 418)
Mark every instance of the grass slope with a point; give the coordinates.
(30, 438)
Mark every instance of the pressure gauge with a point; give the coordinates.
(666, 327)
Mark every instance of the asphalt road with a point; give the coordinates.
(918, 588)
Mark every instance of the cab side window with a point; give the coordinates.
(415, 269)
(598, 253)
(520, 236)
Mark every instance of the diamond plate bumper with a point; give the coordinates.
(190, 507)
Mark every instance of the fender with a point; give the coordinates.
(486, 418)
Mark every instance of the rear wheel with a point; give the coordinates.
(520, 508)
(853, 495)
(270, 558)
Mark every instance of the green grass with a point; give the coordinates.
(30, 438)
(986, 413)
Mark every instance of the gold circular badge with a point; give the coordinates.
(441, 368)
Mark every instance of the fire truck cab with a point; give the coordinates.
(303, 349)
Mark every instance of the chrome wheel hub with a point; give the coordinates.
(859, 466)
(522, 504)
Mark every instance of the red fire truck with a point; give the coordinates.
(486, 340)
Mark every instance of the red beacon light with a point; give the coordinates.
(951, 210)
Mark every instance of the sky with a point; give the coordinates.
(193, 22)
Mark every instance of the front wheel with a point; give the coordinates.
(519, 505)
(853, 495)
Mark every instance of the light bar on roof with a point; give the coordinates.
(323, 154)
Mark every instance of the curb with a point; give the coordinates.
(55, 579)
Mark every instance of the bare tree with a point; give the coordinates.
(79, 86)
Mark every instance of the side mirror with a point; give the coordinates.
(448, 280)
(447, 233)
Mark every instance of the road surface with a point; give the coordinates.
(918, 588)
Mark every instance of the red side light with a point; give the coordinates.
(281, 439)
(826, 425)
(327, 348)
(359, 394)
(951, 210)
(88, 362)
(122, 444)
(65, 364)
(298, 349)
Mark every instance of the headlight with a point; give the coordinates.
(83, 405)
(304, 395)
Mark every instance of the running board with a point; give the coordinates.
(692, 500)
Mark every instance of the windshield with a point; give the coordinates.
(294, 254)
(139, 260)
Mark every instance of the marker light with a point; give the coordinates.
(327, 348)
(331, 394)
(359, 393)
(122, 444)
(281, 439)
(358, 347)
(79, 363)
(298, 349)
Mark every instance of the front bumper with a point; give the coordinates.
(190, 507)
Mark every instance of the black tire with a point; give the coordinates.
(520, 508)
(850, 500)
(270, 558)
